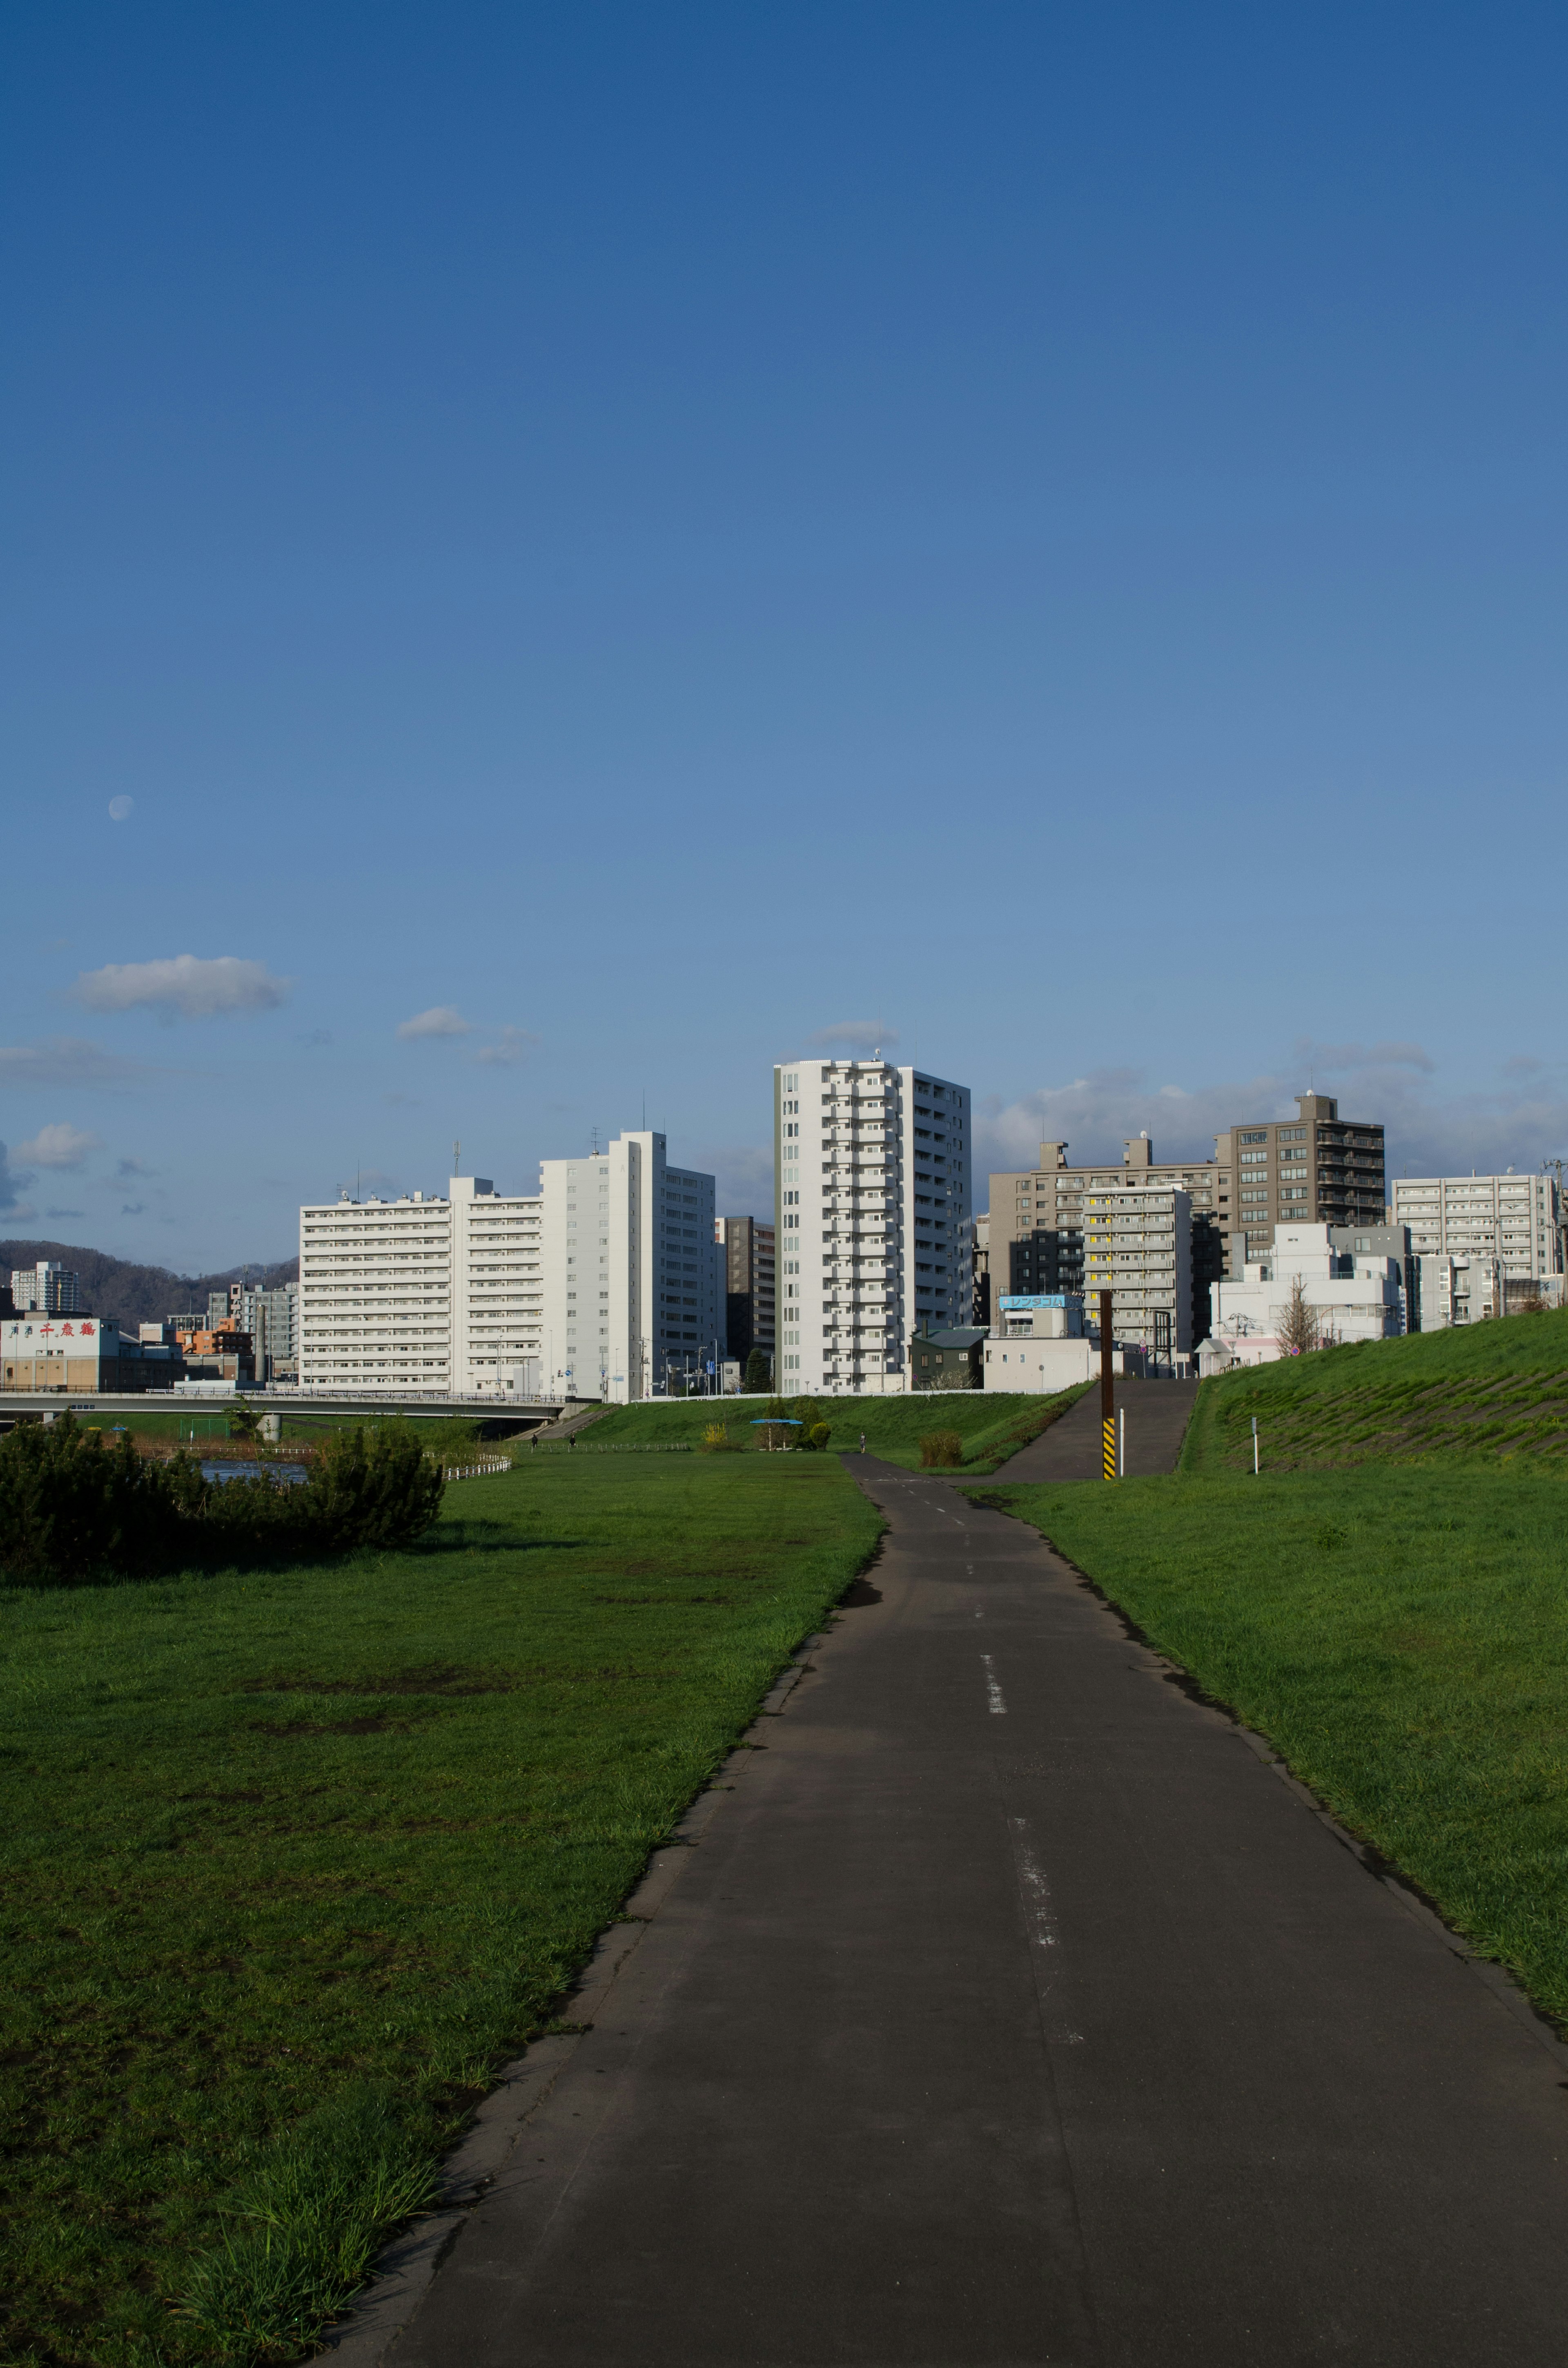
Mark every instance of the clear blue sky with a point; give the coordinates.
(665, 533)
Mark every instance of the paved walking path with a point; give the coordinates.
(1010, 2010)
(1157, 1415)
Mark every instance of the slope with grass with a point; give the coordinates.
(1388, 1603)
(991, 1425)
(291, 1859)
(1485, 1390)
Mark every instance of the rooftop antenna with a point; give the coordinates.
(596, 1142)
(457, 1155)
(644, 1110)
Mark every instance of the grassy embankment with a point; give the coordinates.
(1388, 1603)
(992, 1427)
(158, 1431)
(292, 1859)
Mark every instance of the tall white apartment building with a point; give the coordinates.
(872, 1216)
(1512, 1220)
(599, 1285)
(634, 1279)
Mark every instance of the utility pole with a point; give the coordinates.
(1107, 1392)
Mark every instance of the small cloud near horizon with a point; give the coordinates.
(511, 1045)
(182, 987)
(850, 1032)
(441, 1019)
(65, 1061)
(61, 1145)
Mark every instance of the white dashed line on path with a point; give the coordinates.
(993, 1691)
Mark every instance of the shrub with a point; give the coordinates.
(71, 1507)
(819, 1434)
(758, 1373)
(373, 1486)
(715, 1438)
(941, 1450)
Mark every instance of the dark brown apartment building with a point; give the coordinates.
(748, 1284)
(1316, 1169)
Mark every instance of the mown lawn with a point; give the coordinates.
(289, 1846)
(1400, 1634)
(992, 1424)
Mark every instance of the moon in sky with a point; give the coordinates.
(119, 808)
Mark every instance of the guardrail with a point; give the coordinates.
(476, 1471)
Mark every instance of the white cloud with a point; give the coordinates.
(852, 1033)
(11, 1189)
(1332, 1057)
(57, 1147)
(508, 1049)
(441, 1019)
(64, 1061)
(182, 987)
(742, 1176)
(1426, 1132)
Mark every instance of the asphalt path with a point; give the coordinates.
(1155, 1412)
(1007, 2008)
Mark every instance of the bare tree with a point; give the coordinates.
(1297, 1325)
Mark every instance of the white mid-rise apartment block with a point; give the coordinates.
(1138, 1245)
(604, 1283)
(872, 1218)
(634, 1279)
(1512, 1222)
(421, 1296)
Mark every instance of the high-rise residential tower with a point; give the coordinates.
(872, 1202)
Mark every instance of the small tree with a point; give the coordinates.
(243, 1420)
(759, 1374)
(1298, 1326)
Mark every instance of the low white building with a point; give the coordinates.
(1355, 1295)
(1041, 1342)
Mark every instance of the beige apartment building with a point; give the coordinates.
(1316, 1169)
(1036, 1238)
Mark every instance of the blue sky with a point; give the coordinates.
(673, 536)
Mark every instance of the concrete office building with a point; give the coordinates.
(634, 1280)
(1480, 1227)
(47, 1289)
(749, 1251)
(271, 1317)
(1316, 1169)
(1035, 1224)
(872, 1165)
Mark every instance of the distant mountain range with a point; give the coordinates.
(135, 1294)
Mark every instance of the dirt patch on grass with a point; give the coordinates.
(436, 1678)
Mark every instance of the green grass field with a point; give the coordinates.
(206, 1429)
(991, 1425)
(292, 1859)
(1484, 1390)
(1388, 1603)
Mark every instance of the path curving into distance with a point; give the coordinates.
(1011, 2009)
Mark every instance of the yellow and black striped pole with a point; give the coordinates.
(1107, 1392)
